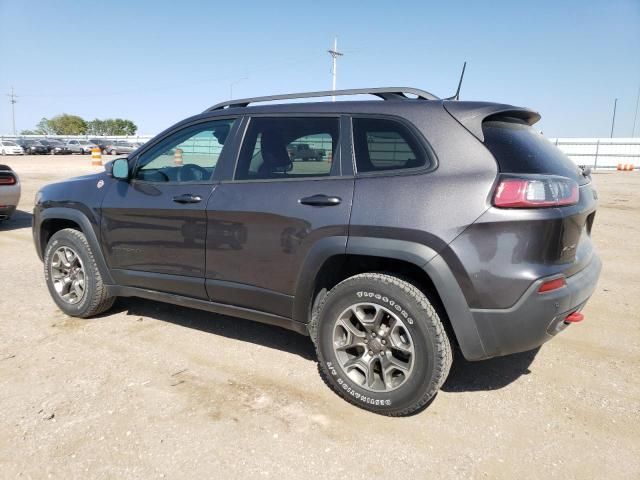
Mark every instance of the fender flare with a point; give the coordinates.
(62, 213)
(420, 255)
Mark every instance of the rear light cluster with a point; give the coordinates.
(7, 179)
(535, 191)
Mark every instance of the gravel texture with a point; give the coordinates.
(157, 391)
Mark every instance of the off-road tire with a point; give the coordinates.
(95, 299)
(433, 355)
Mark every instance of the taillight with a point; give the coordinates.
(7, 179)
(535, 191)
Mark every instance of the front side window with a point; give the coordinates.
(189, 155)
(381, 145)
(286, 148)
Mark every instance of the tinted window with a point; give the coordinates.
(282, 148)
(382, 145)
(189, 155)
(518, 148)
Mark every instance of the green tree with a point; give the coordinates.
(44, 128)
(28, 132)
(96, 127)
(66, 124)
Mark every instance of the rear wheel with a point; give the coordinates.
(73, 277)
(113, 152)
(381, 344)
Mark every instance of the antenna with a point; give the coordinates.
(334, 55)
(457, 95)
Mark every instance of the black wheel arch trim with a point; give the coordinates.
(420, 255)
(78, 217)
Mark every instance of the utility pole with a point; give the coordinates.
(613, 120)
(334, 56)
(635, 117)
(12, 100)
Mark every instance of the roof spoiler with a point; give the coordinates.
(471, 115)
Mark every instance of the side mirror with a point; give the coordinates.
(120, 168)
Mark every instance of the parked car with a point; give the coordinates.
(55, 147)
(80, 146)
(101, 143)
(438, 223)
(9, 192)
(118, 147)
(304, 152)
(9, 147)
(32, 146)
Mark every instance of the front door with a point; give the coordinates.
(154, 226)
(264, 222)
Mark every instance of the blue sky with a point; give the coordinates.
(156, 62)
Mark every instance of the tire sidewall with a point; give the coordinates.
(402, 304)
(64, 239)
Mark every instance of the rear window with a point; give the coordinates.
(518, 148)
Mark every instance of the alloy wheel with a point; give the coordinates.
(68, 275)
(374, 347)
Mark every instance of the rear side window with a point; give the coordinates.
(518, 148)
(280, 148)
(383, 145)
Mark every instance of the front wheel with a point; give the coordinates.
(381, 344)
(73, 277)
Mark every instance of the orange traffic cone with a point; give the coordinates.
(96, 157)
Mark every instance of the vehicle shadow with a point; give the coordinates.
(465, 376)
(20, 219)
(492, 374)
(230, 327)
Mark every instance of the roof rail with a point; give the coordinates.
(390, 93)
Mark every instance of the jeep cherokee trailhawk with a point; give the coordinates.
(428, 224)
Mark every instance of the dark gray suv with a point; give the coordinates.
(429, 224)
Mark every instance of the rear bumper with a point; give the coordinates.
(535, 318)
(6, 211)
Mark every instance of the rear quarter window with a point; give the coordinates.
(518, 148)
(382, 145)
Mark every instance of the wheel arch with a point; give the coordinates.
(55, 219)
(415, 262)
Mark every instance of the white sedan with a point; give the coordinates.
(9, 192)
(7, 147)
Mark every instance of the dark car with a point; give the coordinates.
(55, 147)
(33, 147)
(101, 143)
(304, 152)
(437, 223)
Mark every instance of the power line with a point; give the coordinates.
(334, 56)
(12, 100)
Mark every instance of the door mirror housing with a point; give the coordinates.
(119, 168)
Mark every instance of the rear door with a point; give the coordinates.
(267, 216)
(154, 226)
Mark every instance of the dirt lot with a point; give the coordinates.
(152, 390)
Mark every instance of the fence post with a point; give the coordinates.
(595, 162)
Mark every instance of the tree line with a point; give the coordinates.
(66, 124)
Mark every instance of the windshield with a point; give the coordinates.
(9, 144)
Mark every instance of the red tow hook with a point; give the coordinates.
(575, 317)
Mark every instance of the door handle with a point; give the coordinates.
(187, 198)
(320, 200)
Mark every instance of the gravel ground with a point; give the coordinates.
(153, 391)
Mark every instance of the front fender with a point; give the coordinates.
(81, 219)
